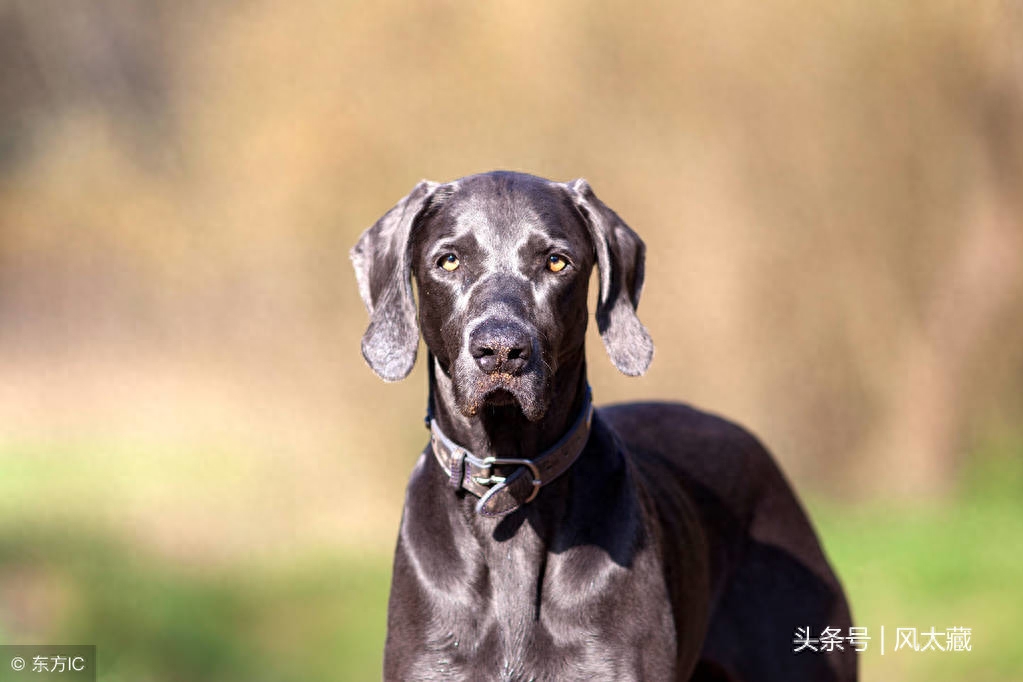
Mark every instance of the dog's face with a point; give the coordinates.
(502, 264)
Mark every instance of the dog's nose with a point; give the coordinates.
(500, 348)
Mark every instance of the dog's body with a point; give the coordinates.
(671, 548)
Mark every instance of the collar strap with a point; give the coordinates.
(500, 495)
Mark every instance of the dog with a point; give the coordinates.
(543, 539)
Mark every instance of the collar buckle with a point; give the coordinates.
(488, 463)
(500, 495)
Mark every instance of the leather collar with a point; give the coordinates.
(500, 495)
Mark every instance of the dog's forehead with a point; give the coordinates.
(507, 212)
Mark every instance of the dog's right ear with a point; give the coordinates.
(382, 265)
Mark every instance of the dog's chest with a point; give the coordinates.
(552, 616)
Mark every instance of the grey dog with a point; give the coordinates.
(543, 539)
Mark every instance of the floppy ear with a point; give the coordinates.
(383, 269)
(620, 258)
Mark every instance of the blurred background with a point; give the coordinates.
(829, 193)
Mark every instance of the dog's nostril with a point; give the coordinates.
(515, 353)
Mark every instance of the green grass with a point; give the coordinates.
(321, 618)
(321, 615)
(953, 565)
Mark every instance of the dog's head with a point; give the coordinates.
(502, 263)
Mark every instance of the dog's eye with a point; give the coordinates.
(556, 263)
(449, 262)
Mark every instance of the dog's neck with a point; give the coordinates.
(503, 431)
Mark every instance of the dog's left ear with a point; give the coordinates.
(382, 265)
(620, 258)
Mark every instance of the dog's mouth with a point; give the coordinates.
(505, 391)
(500, 397)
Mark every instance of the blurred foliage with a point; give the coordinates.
(829, 195)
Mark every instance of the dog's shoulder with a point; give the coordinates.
(697, 448)
(657, 426)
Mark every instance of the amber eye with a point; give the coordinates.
(556, 263)
(449, 262)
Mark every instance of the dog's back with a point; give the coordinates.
(769, 575)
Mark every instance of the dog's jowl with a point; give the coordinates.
(544, 539)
